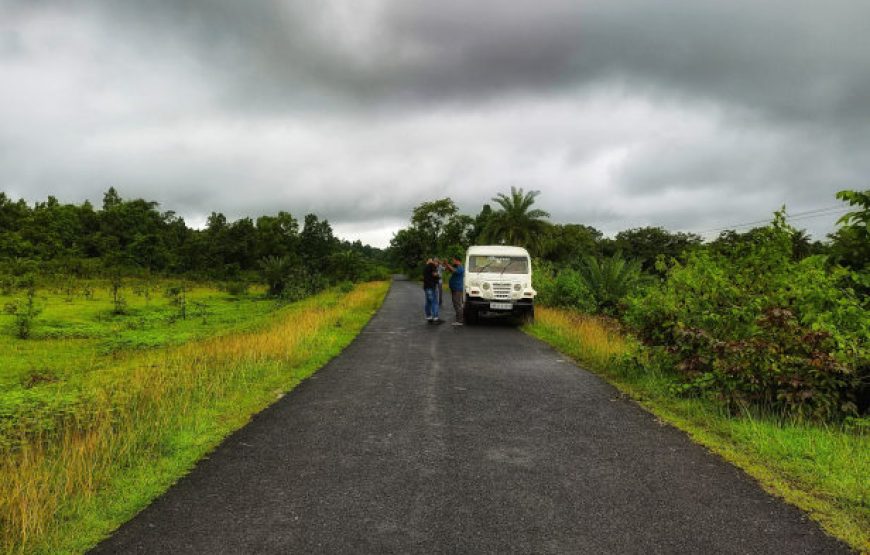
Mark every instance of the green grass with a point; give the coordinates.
(72, 332)
(824, 470)
(85, 450)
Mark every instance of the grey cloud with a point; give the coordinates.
(797, 59)
(622, 112)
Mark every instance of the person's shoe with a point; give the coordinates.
(437, 321)
(457, 323)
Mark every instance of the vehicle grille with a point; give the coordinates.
(501, 291)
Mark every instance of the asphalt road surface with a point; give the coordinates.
(442, 439)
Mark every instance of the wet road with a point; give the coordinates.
(441, 439)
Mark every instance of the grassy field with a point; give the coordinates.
(101, 412)
(824, 470)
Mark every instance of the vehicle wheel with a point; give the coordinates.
(528, 316)
(469, 315)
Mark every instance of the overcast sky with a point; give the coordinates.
(689, 114)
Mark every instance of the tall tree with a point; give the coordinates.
(569, 243)
(851, 242)
(645, 244)
(516, 222)
(437, 229)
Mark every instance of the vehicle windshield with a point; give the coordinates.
(498, 264)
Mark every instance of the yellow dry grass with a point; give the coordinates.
(595, 340)
(151, 407)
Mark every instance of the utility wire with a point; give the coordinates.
(797, 216)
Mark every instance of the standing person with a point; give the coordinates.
(430, 282)
(440, 288)
(457, 289)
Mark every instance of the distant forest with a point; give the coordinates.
(438, 228)
(135, 237)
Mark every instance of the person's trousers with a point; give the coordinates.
(458, 304)
(431, 306)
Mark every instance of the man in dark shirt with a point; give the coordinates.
(430, 284)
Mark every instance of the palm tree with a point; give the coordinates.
(610, 280)
(515, 223)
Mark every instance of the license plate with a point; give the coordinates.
(500, 306)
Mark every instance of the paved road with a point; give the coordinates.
(436, 439)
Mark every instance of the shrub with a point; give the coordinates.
(562, 288)
(119, 303)
(345, 286)
(276, 273)
(236, 288)
(760, 329)
(25, 312)
(609, 280)
(177, 295)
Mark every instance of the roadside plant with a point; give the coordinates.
(119, 303)
(177, 295)
(275, 271)
(69, 289)
(759, 329)
(609, 280)
(201, 310)
(7, 285)
(25, 312)
(236, 288)
(564, 288)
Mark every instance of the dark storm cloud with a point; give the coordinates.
(797, 59)
(686, 113)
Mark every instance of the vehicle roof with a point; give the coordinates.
(498, 250)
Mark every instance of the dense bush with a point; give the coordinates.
(609, 280)
(563, 288)
(760, 329)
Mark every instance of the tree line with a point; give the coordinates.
(438, 227)
(135, 236)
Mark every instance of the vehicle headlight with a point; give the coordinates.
(517, 287)
(485, 286)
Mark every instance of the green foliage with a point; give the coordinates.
(851, 242)
(177, 295)
(436, 227)
(565, 243)
(276, 272)
(236, 288)
(647, 244)
(759, 328)
(609, 280)
(119, 303)
(135, 236)
(24, 312)
(565, 288)
(516, 223)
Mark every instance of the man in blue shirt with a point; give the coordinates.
(457, 292)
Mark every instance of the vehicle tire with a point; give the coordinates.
(469, 315)
(528, 317)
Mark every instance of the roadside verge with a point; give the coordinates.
(820, 469)
(154, 415)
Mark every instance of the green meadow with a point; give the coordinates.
(117, 392)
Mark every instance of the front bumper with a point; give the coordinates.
(518, 306)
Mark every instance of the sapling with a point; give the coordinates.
(25, 313)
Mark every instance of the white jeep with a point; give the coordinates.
(498, 281)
